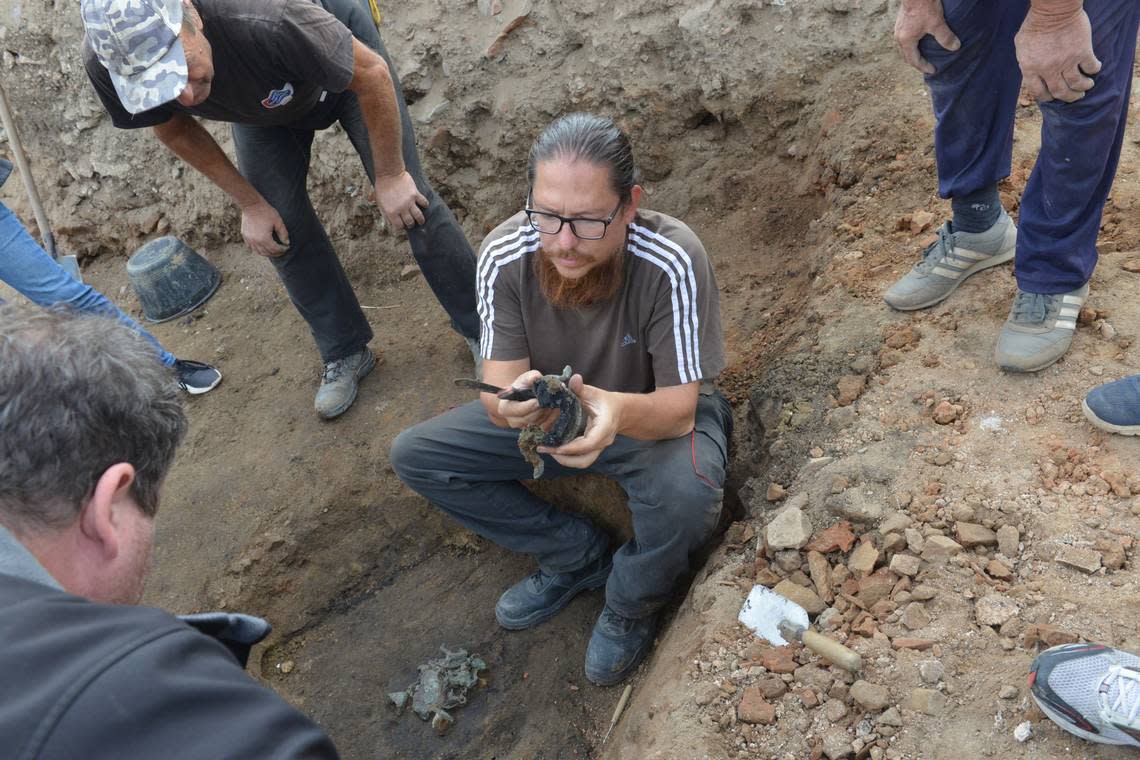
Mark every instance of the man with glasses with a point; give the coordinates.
(627, 297)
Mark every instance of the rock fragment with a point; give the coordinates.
(1023, 731)
(994, 609)
(940, 548)
(776, 492)
(802, 596)
(905, 564)
(971, 535)
(1008, 539)
(835, 710)
(835, 537)
(849, 388)
(820, 572)
(931, 671)
(997, 569)
(779, 660)
(895, 522)
(836, 744)
(753, 708)
(1050, 636)
(1085, 560)
(905, 642)
(915, 616)
(944, 413)
(790, 529)
(927, 701)
(706, 693)
(862, 560)
(890, 717)
(870, 696)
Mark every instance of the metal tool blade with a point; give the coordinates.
(764, 610)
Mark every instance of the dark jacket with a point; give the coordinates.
(92, 681)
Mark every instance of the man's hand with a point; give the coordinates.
(519, 414)
(399, 201)
(916, 19)
(259, 222)
(604, 416)
(1056, 55)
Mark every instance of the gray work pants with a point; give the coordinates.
(470, 468)
(275, 160)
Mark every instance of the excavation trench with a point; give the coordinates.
(740, 114)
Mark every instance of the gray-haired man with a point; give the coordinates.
(89, 423)
(279, 70)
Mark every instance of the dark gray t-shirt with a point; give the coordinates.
(661, 329)
(273, 59)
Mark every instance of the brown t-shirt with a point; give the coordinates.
(273, 59)
(661, 329)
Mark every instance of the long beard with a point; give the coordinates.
(599, 284)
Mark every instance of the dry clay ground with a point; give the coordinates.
(798, 183)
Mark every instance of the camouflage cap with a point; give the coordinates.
(137, 42)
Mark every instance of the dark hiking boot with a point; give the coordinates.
(617, 646)
(540, 596)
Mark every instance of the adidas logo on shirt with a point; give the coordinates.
(628, 340)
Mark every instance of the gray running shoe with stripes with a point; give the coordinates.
(949, 260)
(1039, 330)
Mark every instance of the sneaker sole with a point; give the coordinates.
(1036, 367)
(597, 580)
(1000, 258)
(198, 391)
(361, 373)
(1090, 415)
(1067, 725)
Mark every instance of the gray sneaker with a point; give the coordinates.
(473, 344)
(339, 381)
(1039, 330)
(949, 260)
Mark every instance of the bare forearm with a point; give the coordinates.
(372, 84)
(189, 140)
(663, 414)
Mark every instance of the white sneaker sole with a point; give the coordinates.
(1090, 415)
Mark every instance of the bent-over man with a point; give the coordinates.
(279, 70)
(583, 276)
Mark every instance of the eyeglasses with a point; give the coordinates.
(583, 228)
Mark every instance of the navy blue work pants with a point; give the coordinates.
(975, 91)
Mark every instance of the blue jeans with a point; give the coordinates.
(33, 273)
(974, 92)
(470, 468)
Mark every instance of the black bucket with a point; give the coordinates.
(171, 279)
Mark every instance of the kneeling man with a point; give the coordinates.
(627, 297)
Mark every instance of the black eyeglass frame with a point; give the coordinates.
(562, 220)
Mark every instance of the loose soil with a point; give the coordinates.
(798, 148)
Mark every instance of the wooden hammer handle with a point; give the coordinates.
(832, 651)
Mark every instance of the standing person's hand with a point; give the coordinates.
(400, 201)
(259, 222)
(604, 417)
(1056, 55)
(916, 19)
